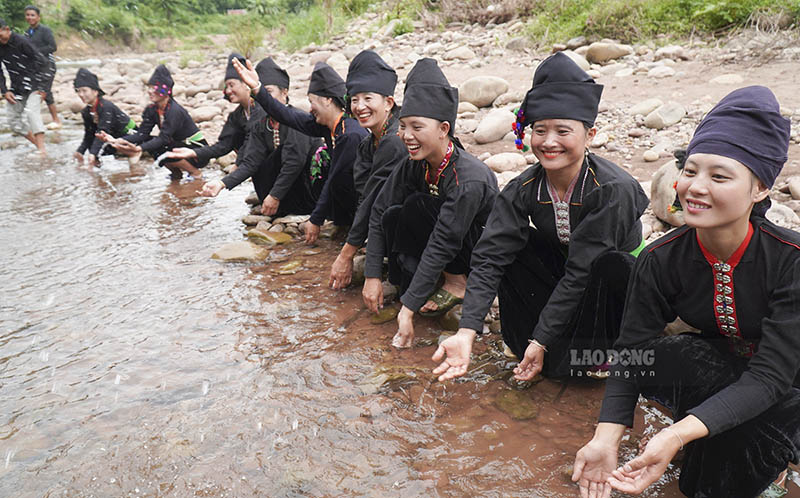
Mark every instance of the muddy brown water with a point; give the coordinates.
(131, 364)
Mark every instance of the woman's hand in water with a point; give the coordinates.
(248, 74)
(181, 153)
(270, 205)
(372, 293)
(455, 350)
(404, 338)
(531, 363)
(311, 230)
(104, 136)
(212, 188)
(595, 462)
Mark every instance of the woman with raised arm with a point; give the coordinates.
(326, 93)
(175, 129)
(432, 209)
(370, 88)
(99, 116)
(732, 389)
(560, 242)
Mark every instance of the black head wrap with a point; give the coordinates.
(86, 78)
(270, 73)
(560, 90)
(230, 71)
(746, 126)
(429, 94)
(162, 80)
(369, 73)
(326, 82)
(3, 23)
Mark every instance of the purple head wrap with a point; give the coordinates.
(746, 126)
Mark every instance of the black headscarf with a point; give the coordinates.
(369, 73)
(230, 71)
(86, 78)
(746, 125)
(162, 80)
(326, 82)
(270, 73)
(429, 94)
(561, 90)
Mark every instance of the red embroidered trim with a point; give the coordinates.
(779, 239)
(668, 241)
(724, 302)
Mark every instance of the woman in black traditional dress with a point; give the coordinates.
(560, 243)
(735, 276)
(432, 209)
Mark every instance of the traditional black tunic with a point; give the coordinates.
(176, 129)
(744, 362)
(106, 117)
(467, 189)
(338, 198)
(604, 213)
(26, 66)
(284, 172)
(374, 164)
(235, 135)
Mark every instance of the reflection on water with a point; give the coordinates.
(132, 364)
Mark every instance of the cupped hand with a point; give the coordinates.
(635, 476)
(593, 466)
(404, 338)
(455, 350)
(270, 205)
(311, 230)
(372, 294)
(341, 272)
(212, 188)
(531, 363)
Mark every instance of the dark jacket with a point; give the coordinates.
(605, 208)
(109, 118)
(26, 66)
(175, 128)
(673, 278)
(373, 166)
(468, 189)
(42, 38)
(347, 135)
(235, 135)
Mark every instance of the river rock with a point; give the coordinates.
(204, 113)
(516, 404)
(519, 43)
(459, 53)
(292, 218)
(339, 62)
(252, 199)
(466, 125)
(645, 107)
(268, 238)
(359, 263)
(576, 42)
(466, 107)
(75, 105)
(506, 161)
(666, 115)
(661, 72)
(385, 314)
(195, 89)
(782, 215)
(578, 59)
(599, 52)
(600, 140)
(794, 187)
(451, 319)
(494, 126)
(728, 79)
(662, 194)
(650, 156)
(481, 91)
(674, 52)
(509, 98)
(254, 219)
(242, 251)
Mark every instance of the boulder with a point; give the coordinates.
(481, 91)
(666, 115)
(600, 140)
(519, 43)
(645, 107)
(466, 125)
(506, 161)
(195, 89)
(494, 126)
(728, 79)
(466, 107)
(509, 98)
(794, 187)
(661, 72)
(576, 42)
(782, 215)
(292, 218)
(204, 113)
(242, 251)
(459, 53)
(674, 52)
(577, 59)
(339, 62)
(599, 52)
(662, 194)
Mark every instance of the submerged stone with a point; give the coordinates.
(516, 404)
(384, 315)
(240, 251)
(451, 319)
(389, 378)
(290, 268)
(269, 238)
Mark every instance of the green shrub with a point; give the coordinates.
(404, 26)
(246, 37)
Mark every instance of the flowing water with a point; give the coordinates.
(131, 364)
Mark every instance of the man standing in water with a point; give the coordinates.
(26, 67)
(42, 38)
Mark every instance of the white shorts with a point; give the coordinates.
(26, 115)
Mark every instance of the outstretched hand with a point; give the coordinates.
(531, 363)
(636, 475)
(455, 350)
(592, 470)
(248, 74)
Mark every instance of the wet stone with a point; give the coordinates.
(450, 320)
(384, 315)
(290, 268)
(252, 199)
(241, 251)
(390, 378)
(254, 219)
(516, 404)
(269, 238)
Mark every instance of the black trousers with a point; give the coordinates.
(298, 200)
(344, 197)
(742, 461)
(407, 228)
(527, 285)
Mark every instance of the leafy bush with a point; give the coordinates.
(246, 37)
